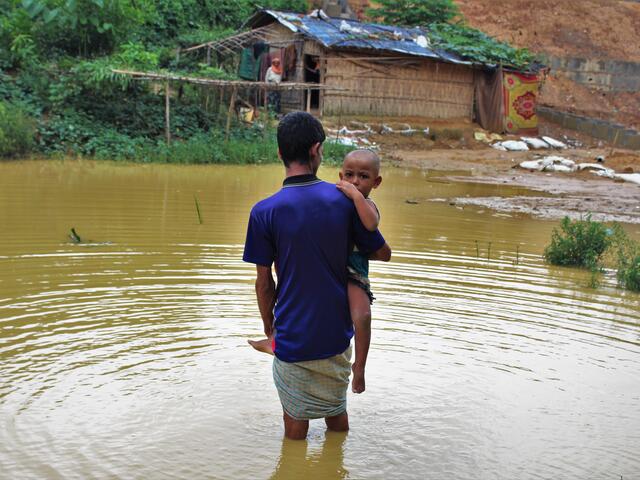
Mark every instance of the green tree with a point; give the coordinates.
(414, 12)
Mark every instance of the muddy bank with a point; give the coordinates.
(552, 195)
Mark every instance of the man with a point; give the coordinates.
(308, 229)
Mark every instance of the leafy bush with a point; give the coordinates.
(629, 274)
(478, 46)
(578, 243)
(414, 12)
(16, 131)
(626, 258)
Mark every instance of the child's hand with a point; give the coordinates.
(348, 189)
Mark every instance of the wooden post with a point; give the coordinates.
(209, 56)
(167, 113)
(230, 112)
(308, 100)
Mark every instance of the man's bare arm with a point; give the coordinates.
(266, 294)
(383, 254)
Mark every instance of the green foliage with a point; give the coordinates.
(475, 45)
(592, 245)
(629, 274)
(626, 258)
(16, 131)
(578, 243)
(414, 12)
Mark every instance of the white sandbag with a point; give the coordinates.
(554, 143)
(608, 173)
(515, 146)
(629, 177)
(556, 167)
(594, 167)
(535, 143)
(556, 160)
(531, 165)
(498, 146)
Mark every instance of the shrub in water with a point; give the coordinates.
(16, 131)
(578, 243)
(629, 274)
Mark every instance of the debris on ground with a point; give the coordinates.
(486, 137)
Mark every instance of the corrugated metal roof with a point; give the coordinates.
(338, 33)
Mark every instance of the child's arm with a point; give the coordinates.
(367, 211)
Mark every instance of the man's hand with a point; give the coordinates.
(348, 189)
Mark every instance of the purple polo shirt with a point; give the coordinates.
(308, 229)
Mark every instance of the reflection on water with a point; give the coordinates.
(297, 462)
(126, 358)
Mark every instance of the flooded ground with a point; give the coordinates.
(125, 356)
(552, 196)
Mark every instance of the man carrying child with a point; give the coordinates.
(308, 230)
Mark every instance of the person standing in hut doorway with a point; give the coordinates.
(274, 75)
(307, 229)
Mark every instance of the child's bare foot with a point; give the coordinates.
(357, 384)
(263, 345)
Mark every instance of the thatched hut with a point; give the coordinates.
(382, 70)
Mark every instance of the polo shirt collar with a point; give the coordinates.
(298, 180)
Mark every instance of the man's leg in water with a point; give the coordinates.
(339, 423)
(360, 308)
(295, 429)
(265, 345)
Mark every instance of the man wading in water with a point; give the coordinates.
(308, 229)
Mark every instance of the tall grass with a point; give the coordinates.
(213, 148)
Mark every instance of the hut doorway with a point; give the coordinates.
(312, 75)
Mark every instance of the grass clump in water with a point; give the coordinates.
(579, 243)
(592, 245)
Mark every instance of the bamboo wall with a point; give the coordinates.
(406, 87)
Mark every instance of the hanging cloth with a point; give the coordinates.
(247, 66)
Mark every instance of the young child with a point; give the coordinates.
(359, 175)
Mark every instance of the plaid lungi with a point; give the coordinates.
(314, 388)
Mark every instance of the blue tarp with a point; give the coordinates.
(338, 33)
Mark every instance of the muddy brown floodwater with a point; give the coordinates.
(125, 356)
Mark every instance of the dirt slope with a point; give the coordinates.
(602, 29)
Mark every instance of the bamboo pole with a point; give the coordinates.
(230, 112)
(167, 113)
(308, 100)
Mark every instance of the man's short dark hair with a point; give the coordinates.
(297, 133)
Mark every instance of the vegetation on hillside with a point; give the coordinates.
(447, 30)
(58, 94)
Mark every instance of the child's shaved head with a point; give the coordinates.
(366, 155)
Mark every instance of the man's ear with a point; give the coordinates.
(279, 154)
(314, 150)
(340, 174)
(377, 181)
